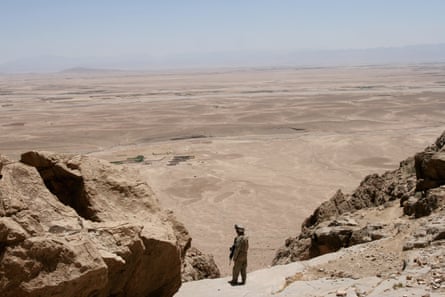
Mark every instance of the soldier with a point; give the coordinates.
(238, 252)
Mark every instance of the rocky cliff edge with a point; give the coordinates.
(72, 225)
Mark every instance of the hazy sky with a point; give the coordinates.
(79, 28)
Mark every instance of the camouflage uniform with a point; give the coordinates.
(241, 245)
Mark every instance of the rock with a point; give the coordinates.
(440, 142)
(198, 266)
(369, 233)
(295, 249)
(436, 228)
(343, 222)
(437, 197)
(341, 293)
(426, 204)
(336, 205)
(330, 239)
(431, 231)
(77, 226)
(416, 244)
(409, 206)
(430, 170)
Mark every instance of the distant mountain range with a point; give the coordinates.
(342, 57)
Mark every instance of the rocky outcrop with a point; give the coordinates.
(198, 266)
(430, 174)
(430, 170)
(331, 235)
(415, 184)
(318, 235)
(374, 190)
(421, 205)
(430, 166)
(431, 229)
(77, 226)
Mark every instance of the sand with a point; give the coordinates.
(258, 147)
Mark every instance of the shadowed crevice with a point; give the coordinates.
(68, 187)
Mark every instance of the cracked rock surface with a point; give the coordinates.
(77, 226)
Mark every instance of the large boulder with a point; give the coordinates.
(430, 165)
(198, 266)
(423, 205)
(430, 170)
(76, 226)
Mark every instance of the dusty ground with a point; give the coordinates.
(259, 147)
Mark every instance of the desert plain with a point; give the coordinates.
(257, 147)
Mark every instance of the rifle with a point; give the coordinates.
(232, 250)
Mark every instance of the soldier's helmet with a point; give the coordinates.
(239, 228)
